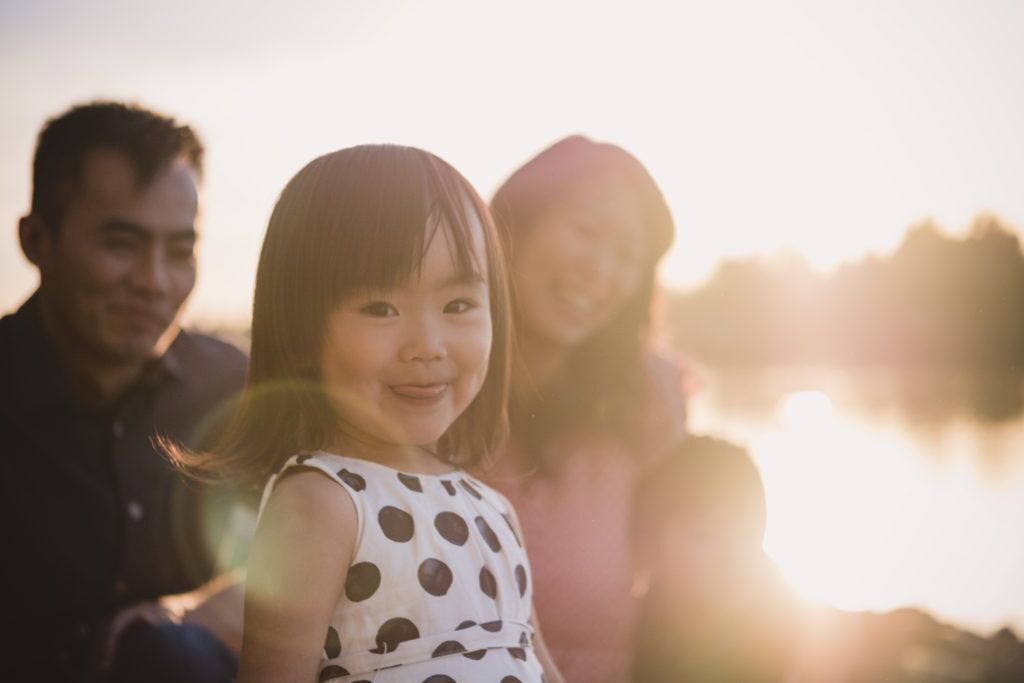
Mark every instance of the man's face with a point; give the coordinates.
(121, 264)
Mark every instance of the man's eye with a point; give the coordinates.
(119, 244)
(182, 253)
(459, 306)
(379, 309)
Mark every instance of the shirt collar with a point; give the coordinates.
(39, 378)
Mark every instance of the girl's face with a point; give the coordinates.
(402, 365)
(577, 264)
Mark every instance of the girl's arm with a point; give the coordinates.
(298, 562)
(551, 672)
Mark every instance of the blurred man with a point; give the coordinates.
(716, 609)
(97, 525)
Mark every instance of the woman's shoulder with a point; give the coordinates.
(670, 380)
(669, 372)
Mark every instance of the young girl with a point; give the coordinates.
(379, 368)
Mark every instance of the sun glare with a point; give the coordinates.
(834, 490)
(804, 409)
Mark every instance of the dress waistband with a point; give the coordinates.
(471, 638)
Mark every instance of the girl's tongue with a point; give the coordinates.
(419, 391)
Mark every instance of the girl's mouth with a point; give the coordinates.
(420, 393)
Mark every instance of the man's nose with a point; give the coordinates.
(150, 274)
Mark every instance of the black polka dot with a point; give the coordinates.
(472, 489)
(464, 625)
(393, 633)
(332, 671)
(521, 579)
(449, 487)
(451, 527)
(492, 626)
(488, 584)
(510, 679)
(523, 639)
(439, 678)
(448, 647)
(332, 646)
(488, 533)
(412, 483)
(352, 479)
(435, 576)
(396, 524)
(518, 653)
(303, 457)
(362, 581)
(508, 521)
(476, 654)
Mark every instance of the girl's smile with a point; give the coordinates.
(421, 394)
(401, 365)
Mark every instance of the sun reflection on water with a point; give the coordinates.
(864, 516)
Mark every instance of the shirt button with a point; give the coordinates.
(118, 429)
(134, 510)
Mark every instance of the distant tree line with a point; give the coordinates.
(937, 301)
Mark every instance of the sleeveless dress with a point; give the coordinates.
(439, 588)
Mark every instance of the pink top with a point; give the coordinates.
(576, 525)
(576, 520)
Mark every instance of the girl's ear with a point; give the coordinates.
(37, 241)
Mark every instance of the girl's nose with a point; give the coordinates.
(425, 341)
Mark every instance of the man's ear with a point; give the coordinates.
(36, 240)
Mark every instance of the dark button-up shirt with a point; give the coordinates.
(93, 517)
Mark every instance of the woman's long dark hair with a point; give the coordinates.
(603, 386)
(355, 220)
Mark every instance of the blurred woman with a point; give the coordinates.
(593, 407)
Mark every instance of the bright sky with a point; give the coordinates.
(823, 127)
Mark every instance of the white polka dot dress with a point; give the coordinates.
(439, 589)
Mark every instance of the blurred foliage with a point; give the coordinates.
(937, 301)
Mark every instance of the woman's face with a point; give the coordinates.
(577, 264)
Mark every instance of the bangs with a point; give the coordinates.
(389, 229)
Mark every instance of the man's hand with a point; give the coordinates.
(110, 633)
(218, 608)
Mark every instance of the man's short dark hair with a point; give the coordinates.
(149, 140)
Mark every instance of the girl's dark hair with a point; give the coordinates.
(357, 219)
(604, 383)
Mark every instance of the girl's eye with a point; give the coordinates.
(459, 306)
(379, 309)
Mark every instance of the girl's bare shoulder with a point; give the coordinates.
(308, 498)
